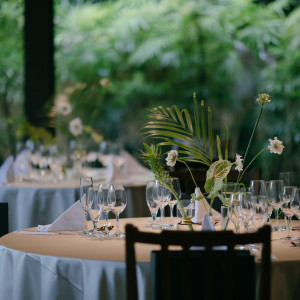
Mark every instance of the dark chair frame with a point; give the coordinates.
(208, 239)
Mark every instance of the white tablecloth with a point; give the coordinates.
(74, 267)
(30, 204)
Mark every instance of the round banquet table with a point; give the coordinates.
(66, 265)
(31, 204)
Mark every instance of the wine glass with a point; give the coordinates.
(275, 198)
(234, 211)
(228, 189)
(262, 210)
(119, 206)
(287, 197)
(173, 201)
(286, 177)
(161, 196)
(258, 188)
(247, 208)
(152, 205)
(94, 209)
(85, 184)
(295, 206)
(107, 201)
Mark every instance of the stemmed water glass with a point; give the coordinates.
(295, 206)
(120, 204)
(85, 184)
(161, 196)
(287, 197)
(262, 210)
(173, 201)
(247, 208)
(152, 205)
(107, 201)
(228, 189)
(94, 209)
(234, 211)
(275, 198)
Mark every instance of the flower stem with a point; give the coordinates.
(261, 151)
(250, 141)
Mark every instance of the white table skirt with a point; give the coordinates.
(32, 204)
(38, 277)
(95, 269)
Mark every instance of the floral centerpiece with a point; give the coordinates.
(193, 137)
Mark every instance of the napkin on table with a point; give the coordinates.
(71, 219)
(115, 174)
(132, 166)
(201, 207)
(7, 170)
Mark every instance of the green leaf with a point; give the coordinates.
(188, 120)
(219, 169)
(210, 134)
(196, 118)
(203, 122)
(219, 148)
(179, 115)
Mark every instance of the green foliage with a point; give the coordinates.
(160, 52)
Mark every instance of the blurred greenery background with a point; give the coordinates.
(121, 57)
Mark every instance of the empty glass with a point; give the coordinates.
(85, 184)
(161, 196)
(118, 207)
(247, 208)
(152, 205)
(295, 206)
(234, 211)
(275, 198)
(94, 209)
(228, 189)
(258, 188)
(173, 201)
(287, 197)
(107, 201)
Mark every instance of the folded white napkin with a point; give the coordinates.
(132, 166)
(21, 164)
(7, 170)
(207, 225)
(115, 174)
(71, 219)
(201, 207)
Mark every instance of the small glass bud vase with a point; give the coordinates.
(185, 220)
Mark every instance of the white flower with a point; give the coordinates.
(172, 157)
(64, 108)
(263, 99)
(275, 146)
(238, 162)
(76, 127)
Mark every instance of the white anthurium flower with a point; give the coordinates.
(276, 146)
(238, 162)
(76, 127)
(172, 158)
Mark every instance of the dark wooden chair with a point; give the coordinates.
(3, 218)
(208, 240)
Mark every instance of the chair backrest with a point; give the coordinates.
(205, 239)
(3, 218)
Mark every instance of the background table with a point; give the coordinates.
(31, 204)
(69, 266)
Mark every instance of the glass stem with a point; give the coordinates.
(162, 214)
(171, 213)
(95, 223)
(85, 227)
(106, 223)
(289, 227)
(237, 228)
(117, 223)
(153, 217)
(277, 218)
(246, 227)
